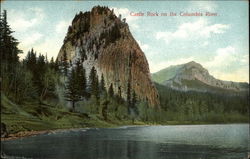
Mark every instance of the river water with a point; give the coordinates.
(230, 141)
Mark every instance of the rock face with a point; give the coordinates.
(98, 38)
(192, 76)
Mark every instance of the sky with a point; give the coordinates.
(219, 43)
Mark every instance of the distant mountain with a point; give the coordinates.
(193, 76)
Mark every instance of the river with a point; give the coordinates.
(229, 141)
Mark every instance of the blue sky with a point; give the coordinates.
(219, 43)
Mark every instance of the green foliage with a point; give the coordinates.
(72, 90)
(129, 94)
(81, 81)
(112, 35)
(111, 91)
(102, 85)
(64, 63)
(94, 83)
(8, 46)
(197, 106)
(44, 74)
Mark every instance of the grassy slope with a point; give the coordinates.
(165, 74)
(32, 116)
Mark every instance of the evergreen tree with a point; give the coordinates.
(72, 88)
(81, 80)
(111, 91)
(129, 96)
(134, 99)
(39, 74)
(46, 59)
(65, 64)
(94, 83)
(8, 46)
(56, 66)
(133, 109)
(102, 85)
(31, 61)
(52, 63)
(9, 58)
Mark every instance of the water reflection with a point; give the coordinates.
(153, 142)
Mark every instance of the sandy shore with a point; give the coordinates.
(23, 134)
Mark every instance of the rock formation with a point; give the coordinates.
(99, 38)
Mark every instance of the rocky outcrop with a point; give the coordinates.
(99, 38)
(192, 76)
(4, 132)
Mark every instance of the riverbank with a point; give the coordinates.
(205, 140)
(34, 119)
(23, 134)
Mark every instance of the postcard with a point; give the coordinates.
(124, 79)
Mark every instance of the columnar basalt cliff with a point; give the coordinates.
(99, 38)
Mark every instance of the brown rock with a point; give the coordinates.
(107, 44)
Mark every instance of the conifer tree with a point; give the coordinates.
(56, 66)
(111, 90)
(81, 80)
(31, 61)
(8, 45)
(9, 57)
(134, 99)
(52, 63)
(65, 64)
(129, 95)
(102, 85)
(39, 73)
(134, 102)
(94, 83)
(72, 88)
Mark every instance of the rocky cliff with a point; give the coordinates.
(193, 76)
(101, 39)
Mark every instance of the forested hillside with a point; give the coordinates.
(38, 93)
(198, 106)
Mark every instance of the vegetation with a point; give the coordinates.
(203, 107)
(40, 94)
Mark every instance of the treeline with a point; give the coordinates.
(91, 93)
(198, 106)
(29, 79)
(36, 78)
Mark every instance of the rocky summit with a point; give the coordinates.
(100, 39)
(193, 76)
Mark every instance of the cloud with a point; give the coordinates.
(144, 47)
(228, 64)
(125, 13)
(209, 6)
(49, 46)
(239, 75)
(216, 29)
(61, 26)
(31, 39)
(224, 57)
(28, 42)
(197, 29)
(204, 44)
(157, 66)
(23, 20)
